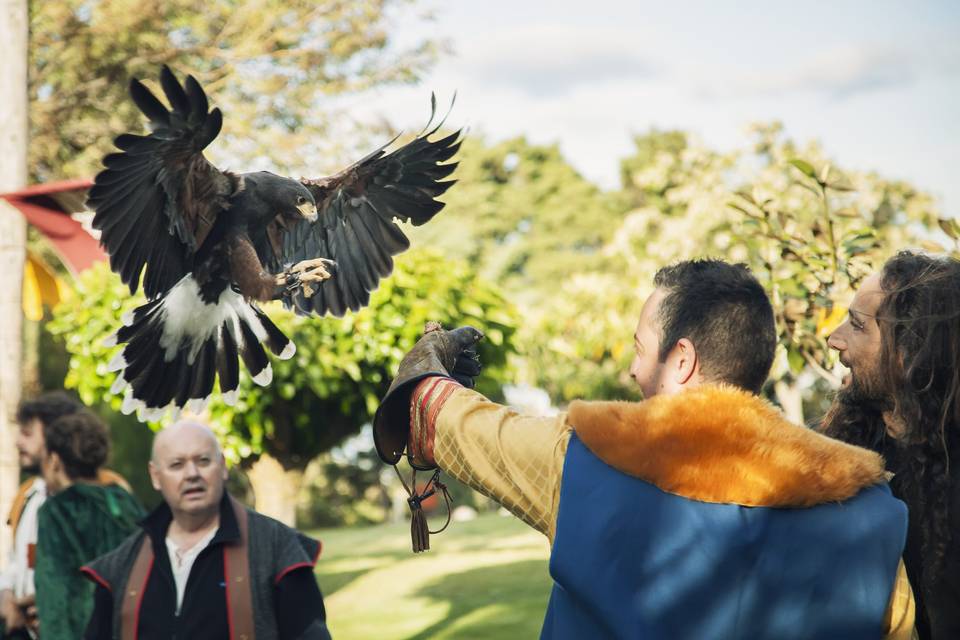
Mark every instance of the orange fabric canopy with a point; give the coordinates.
(49, 208)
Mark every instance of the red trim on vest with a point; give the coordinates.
(299, 565)
(96, 577)
(143, 589)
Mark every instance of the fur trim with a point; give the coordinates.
(724, 445)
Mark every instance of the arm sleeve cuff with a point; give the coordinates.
(428, 398)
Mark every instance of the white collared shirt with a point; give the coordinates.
(182, 561)
(18, 576)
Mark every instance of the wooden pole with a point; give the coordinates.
(13, 243)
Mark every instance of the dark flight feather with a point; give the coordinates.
(359, 209)
(228, 367)
(161, 182)
(206, 244)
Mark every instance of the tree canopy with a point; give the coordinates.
(271, 66)
(580, 261)
(522, 215)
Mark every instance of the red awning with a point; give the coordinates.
(50, 208)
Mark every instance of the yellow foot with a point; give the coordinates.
(307, 273)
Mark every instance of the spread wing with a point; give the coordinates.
(158, 198)
(357, 225)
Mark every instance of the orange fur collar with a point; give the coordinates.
(721, 444)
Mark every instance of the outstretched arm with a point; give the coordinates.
(516, 460)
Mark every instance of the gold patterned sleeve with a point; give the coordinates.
(901, 612)
(517, 460)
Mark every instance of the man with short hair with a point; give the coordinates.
(204, 566)
(697, 513)
(80, 520)
(901, 342)
(16, 581)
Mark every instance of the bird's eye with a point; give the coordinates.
(301, 199)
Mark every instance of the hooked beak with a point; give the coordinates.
(309, 211)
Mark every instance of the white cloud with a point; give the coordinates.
(839, 72)
(887, 103)
(548, 60)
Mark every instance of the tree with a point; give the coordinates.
(13, 241)
(331, 387)
(523, 216)
(272, 67)
(526, 219)
(814, 241)
(802, 252)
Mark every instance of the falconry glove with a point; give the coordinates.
(450, 354)
(438, 354)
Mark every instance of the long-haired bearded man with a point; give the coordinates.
(901, 342)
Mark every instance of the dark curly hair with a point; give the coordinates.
(47, 407)
(919, 322)
(82, 442)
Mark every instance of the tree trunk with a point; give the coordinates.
(13, 242)
(275, 489)
(790, 398)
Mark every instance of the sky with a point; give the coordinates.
(878, 83)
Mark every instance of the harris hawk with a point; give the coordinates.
(210, 245)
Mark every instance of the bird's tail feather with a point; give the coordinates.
(179, 344)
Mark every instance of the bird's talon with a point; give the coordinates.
(291, 282)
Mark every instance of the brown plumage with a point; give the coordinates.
(210, 244)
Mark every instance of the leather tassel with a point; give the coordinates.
(419, 527)
(419, 531)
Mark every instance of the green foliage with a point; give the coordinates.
(271, 66)
(668, 212)
(814, 234)
(338, 492)
(342, 367)
(646, 174)
(582, 344)
(523, 215)
(808, 230)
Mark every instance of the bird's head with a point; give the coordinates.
(288, 200)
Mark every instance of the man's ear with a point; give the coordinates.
(154, 475)
(55, 461)
(686, 363)
(223, 465)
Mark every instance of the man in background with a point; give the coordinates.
(80, 520)
(901, 342)
(203, 565)
(16, 581)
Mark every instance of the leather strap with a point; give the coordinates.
(133, 593)
(236, 578)
(19, 502)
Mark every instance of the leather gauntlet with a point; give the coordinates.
(438, 353)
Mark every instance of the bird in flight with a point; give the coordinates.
(210, 245)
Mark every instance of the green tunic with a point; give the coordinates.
(75, 526)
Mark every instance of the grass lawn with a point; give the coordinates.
(487, 578)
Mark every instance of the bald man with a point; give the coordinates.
(203, 565)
